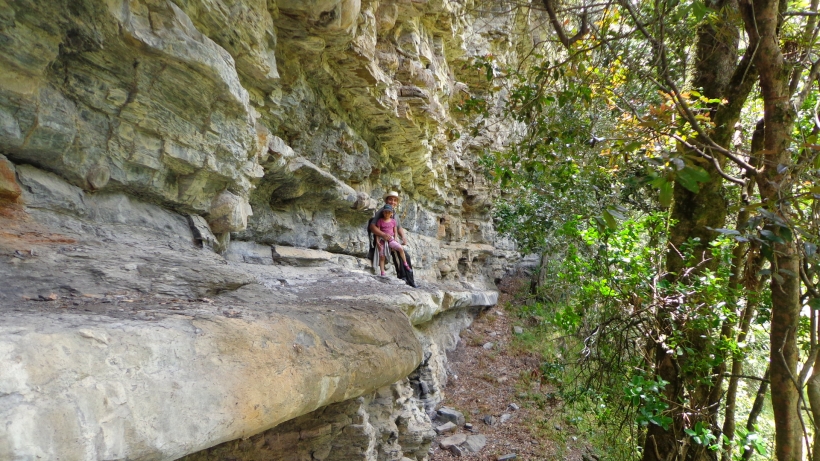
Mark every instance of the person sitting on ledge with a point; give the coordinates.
(387, 225)
(392, 200)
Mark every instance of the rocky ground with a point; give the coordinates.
(489, 383)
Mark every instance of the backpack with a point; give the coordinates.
(371, 238)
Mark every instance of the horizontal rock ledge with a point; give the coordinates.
(122, 339)
(99, 387)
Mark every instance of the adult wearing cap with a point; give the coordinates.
(392, 198)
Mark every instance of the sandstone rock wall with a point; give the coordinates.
(302, 114)
(137, 135)
(121, 337)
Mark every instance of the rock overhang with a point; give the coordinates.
(209, 108)
(122, 338)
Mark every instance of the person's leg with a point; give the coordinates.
(398, 248)
(382, 248)
(408, 252)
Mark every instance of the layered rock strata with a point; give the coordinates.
(124, 337)
(183, 192)
(282, 122)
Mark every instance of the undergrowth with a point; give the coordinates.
(568, 415)
(606, 417)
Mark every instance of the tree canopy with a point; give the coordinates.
(668, 172)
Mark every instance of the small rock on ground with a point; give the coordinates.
(452, 441)
(449, 426)
(475, 443)
(448, 414)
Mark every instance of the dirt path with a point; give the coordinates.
(494, 380)
(486, 381)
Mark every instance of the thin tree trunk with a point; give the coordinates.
(694, 214)
(539, 277)
(753, 288)
(757, 407)
(761, 19)
(752, 283)
(813, 393)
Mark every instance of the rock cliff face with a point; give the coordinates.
(184, 187)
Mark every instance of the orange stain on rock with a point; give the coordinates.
(17, 228)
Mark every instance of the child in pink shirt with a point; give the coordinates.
(387, 225)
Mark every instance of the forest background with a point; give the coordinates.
(667, 171)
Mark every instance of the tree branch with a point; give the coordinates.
(801, 13)
(756, 378)
(684, 110)
(559, 29)
(712, 159)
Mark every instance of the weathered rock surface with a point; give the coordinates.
(474, 443)
(383, 425)
(450, 415)
(127, 340)
(301, 114)
(183, 193)
(453, 441)
(446, 428)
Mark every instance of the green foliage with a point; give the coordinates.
(702, 435)
(750, 440)
(608, 143)
(646, 395)
(600, 294)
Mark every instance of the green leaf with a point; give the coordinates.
(767, 251)
(814, 303)
(771, 236)
(696, 173)
(665, 196)
(786, 233)
(726, 231)
(699, 10)
(691, 176)
(617, 212)
(610, 220)
(690, 185)
(632, 146)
